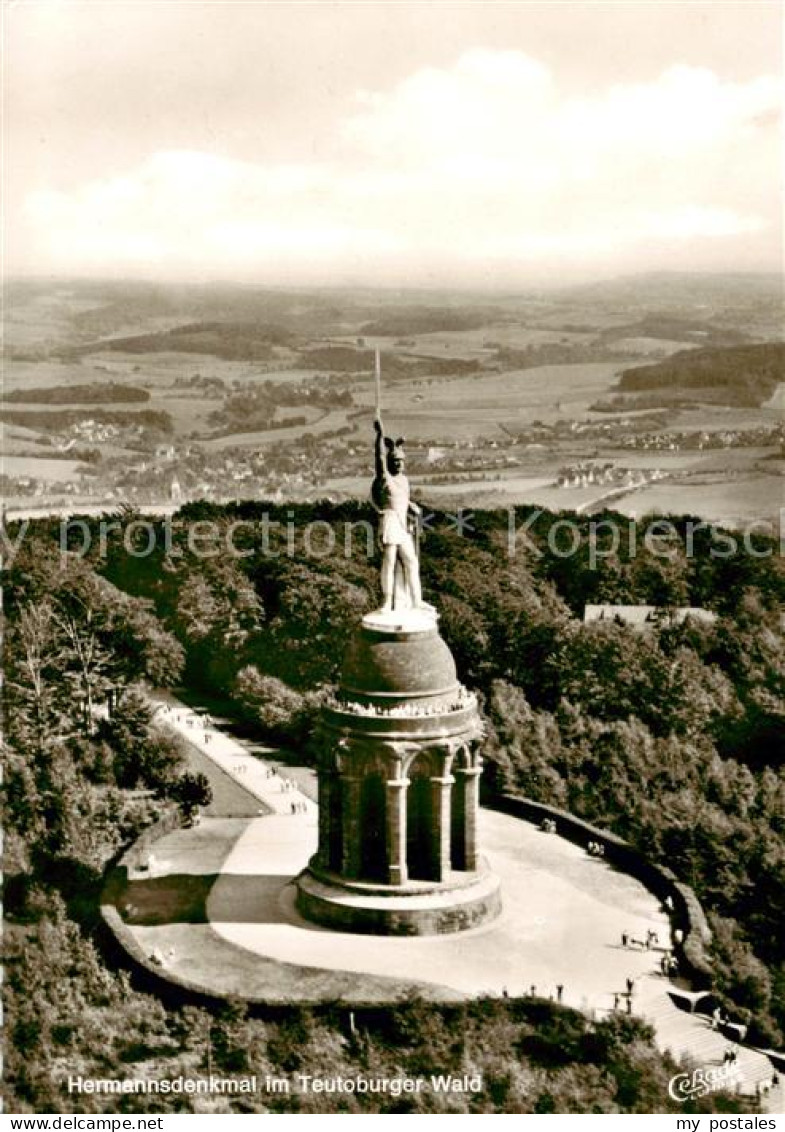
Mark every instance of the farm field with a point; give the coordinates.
(481, 405)
(513, 486)
(158, 373)
(325, 422)
(166, 366)
(189, 414)
(19, 441)
(725, 485)
(480, 343)
(149, 370)
(654, 346)
(22, 446)
(55, 471)
(718, 418)
(728, 502)
(713, 459)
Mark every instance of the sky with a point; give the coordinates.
(430, 143)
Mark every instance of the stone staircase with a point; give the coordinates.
(690, 1038)
(246, 767)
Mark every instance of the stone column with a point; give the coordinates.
(441, 803)
(351, 825)
(397, 872)
(471, 804)
(325, 818)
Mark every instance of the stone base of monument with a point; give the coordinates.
(464, 901)
(399, 767)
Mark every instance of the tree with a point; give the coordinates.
(141, 648)
(741, 978)
(268, 701)
(190, 792)
(216, 600)
(142, 754)
(35, 660)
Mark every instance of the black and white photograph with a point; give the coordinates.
(393, 532)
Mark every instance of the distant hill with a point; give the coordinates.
(122, 308)
(232, 341)
(410, 320)
(345, 359)
(671, 328)
(249, 323)
(676, 287)
(750, 374)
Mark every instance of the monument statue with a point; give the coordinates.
(399, 757)
(398, 514)
(398, 520)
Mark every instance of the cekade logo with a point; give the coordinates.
(709, 1079)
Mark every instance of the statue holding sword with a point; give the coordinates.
(398, 519)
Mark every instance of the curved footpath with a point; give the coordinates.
(213, 907)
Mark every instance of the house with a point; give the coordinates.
(643, 617)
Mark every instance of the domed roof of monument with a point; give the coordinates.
(398, 664)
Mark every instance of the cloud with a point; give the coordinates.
(483, 161)
(197, 211)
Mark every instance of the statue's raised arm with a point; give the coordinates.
(379, 452)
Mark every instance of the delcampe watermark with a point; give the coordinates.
(270, 536)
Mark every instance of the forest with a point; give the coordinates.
(155, 419)
(674, 739)
(346, 359)
(256, 408)
(674, 329)
(429, 320)
(93, 393)
(749, 374)
(234, 341)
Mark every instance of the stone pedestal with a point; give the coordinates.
(398, 791)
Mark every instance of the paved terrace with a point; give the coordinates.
(216, 907)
